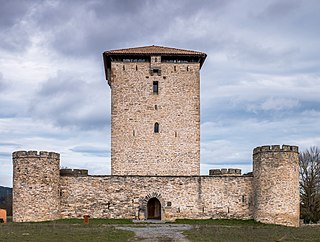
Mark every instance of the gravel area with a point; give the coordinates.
(158, 232)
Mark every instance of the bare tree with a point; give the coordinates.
(309, 169)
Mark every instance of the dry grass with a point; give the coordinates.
(246, 231)
(62, 232)
(203, 230)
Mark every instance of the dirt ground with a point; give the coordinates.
(158, 232)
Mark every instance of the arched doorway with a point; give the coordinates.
(154, 209)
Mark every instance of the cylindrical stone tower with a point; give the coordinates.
(276, 185)
(35, 186)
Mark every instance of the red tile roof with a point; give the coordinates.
(154, 50)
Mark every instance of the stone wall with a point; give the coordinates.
(135, 148)
(276, 185)
(269, 195)
(180, 197)
(35, 186)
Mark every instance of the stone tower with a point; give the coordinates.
(35, 186)
(155, 110)
(276, 185)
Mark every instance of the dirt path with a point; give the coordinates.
(159, 232)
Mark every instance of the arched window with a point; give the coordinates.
(156, 127)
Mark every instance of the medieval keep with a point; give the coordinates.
(155, 156)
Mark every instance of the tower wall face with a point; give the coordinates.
(35, 186)
(136, 149)
(276, 185)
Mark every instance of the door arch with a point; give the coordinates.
(154, 209)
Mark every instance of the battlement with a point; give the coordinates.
(275, 148)
(73, 172)
(225, 172)
(35, 154)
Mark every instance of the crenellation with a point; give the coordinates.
(44, 154)
(31, 153)
(17, 154)
(73, 172)
(275, 148)
(225, 172)
(290, 148)
(35, 154)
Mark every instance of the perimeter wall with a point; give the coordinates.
(180, 197)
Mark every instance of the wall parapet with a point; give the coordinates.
(276, 148)
(35, 154)
(225, 172)
(73, 172)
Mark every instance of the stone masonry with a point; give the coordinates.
(196, 197)
(36, 182)
(156, 157)
(276, 184)
(135, 148)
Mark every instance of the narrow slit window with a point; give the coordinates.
(136, 67)
(156, 127)
(155, 87)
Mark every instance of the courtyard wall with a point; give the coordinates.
(192, 197)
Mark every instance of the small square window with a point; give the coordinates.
(156, 71)
(168, 204)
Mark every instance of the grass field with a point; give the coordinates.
(245, 231)
(65, 230)
(203, 230)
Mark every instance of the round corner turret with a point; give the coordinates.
(35, 186)
(276, 185)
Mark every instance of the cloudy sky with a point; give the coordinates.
(260, 83)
